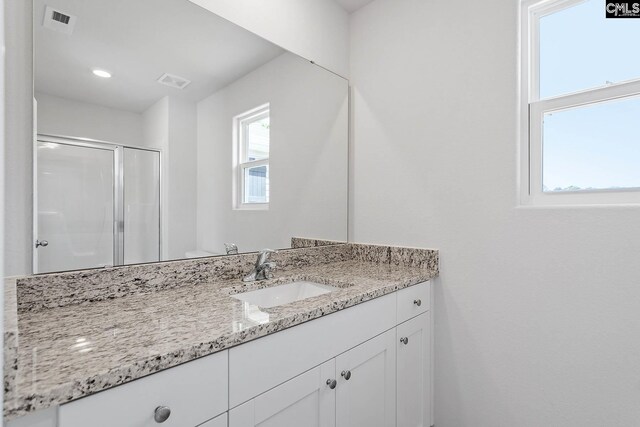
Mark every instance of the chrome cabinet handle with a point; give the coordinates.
(417, 302)
(42, 243)
(346, 375)
(162, 414)
(332, 383)
(404, 340)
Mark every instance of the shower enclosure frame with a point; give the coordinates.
(118, 190)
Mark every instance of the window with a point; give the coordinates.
(581, 103)
(251, 181)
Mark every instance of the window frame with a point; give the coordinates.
(240, 161)
(533, 110)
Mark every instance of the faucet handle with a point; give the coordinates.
(263, 256)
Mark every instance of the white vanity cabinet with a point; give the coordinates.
(357, 388)
(368, 365)
(382, 373)
(262, 364)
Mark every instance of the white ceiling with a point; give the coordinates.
(353, 5)
(138, 41)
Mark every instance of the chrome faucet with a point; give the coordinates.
(263, 267)
(231, 248)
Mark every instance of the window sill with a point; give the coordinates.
(594, 198)
(252, 207)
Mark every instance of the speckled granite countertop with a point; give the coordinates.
(67, 352)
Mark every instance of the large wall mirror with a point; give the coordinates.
(166, 132)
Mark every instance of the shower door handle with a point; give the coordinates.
(42, 243)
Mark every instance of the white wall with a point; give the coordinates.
(18, 151)
(66, 117)
(155, 126)
(170, 125)
(536, 311)
(183, 184)
(308, 152)
(317, 30)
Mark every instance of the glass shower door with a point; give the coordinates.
(75, 207)
(141, 206)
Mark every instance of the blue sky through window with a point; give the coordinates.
(595, 146)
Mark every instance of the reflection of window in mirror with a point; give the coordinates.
(251, 140)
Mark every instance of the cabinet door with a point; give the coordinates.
(306, 400)
(220, 421)
(366, 392)
(414, 372)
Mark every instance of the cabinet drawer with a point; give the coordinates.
(194, 392)
(413, 301)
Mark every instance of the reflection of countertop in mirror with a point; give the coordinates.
(78, 349)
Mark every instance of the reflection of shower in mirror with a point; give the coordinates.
(97, 204)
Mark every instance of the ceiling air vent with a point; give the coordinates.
(173, 81)
(60, 17)
(59, 21)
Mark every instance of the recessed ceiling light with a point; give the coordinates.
(102, 73)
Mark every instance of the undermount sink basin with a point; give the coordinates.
(284, 294)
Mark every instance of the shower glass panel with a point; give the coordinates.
(75, 207)
(141, 206)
